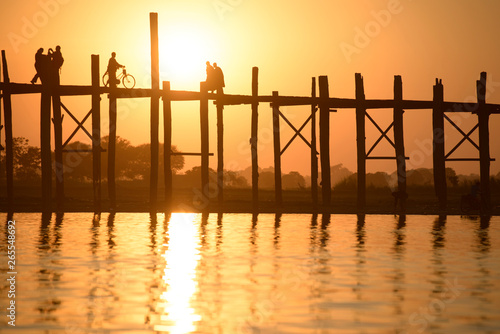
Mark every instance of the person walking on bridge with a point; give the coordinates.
(41, 62)
(113, 66)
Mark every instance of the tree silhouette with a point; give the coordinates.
(293, 180)
(27, 160)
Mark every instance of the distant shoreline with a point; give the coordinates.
(134, 198)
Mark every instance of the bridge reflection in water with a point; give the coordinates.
(242, 273)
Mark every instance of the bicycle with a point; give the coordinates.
(126, 79)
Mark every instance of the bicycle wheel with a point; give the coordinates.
(105, 79)
(128, 81)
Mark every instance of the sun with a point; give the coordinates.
(183, 53)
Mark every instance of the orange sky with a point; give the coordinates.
(290, 41)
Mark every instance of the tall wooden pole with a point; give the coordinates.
(167, 146)
(277, 153)
(220, 147)
(96, 133)
(361, 141)
(112, 148)
(1, 126)
(9, 141)
(484, 144)
(253, 139)
(314, 157)
(204, 140)
(46, 145)
(155, 110)
(438, 152)
(324, 140)
(58, 137)
(399, 141)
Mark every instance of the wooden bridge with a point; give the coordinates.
(51, 111)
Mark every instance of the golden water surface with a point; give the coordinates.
(241, 273)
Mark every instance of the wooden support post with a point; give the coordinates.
(112, 151)
(45, 148)
(324, 140)
(484, 144)
(1, 126)
(361, 141)
(167, 145)
(204, 140)
(438, 152)
(96, 134)
(399, 141)
(253, 139)
(220, 147)
(155, 110)
(314, 157)
(9, 141)
(58, 138)
(277, 153)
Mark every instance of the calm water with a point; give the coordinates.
(236, 273)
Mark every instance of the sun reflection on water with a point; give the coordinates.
(181, 257)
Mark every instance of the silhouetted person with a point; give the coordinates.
(218, 78)
(57, 58)
(56, 61)
(112, 67)
(41, 61)
(210, 81)
(399, 197)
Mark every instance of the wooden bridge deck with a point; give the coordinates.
(232, 99)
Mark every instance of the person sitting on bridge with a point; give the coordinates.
(112, 67)
(218, 79)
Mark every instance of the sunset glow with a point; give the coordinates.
(183, 55)
(289, 42)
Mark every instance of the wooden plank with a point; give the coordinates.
(167, 146)
(254, 138)
(361, 142)
(438, 152)
(277, 155)
(96, 135)
(484, 144)
(155, 111)
(204, 142)
(399, 141)
(233, 99)
(220, 148)
(9, 140)
(324, 140)
(314, 155)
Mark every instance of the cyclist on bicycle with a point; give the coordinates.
(113, 65)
